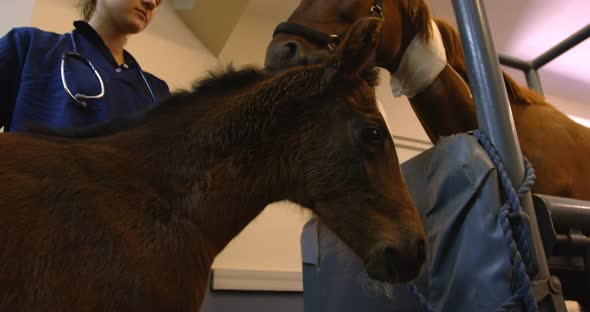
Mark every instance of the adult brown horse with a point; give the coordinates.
(128, 216)
(424, 57)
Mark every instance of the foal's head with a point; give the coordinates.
(349, 174)
(321, 24)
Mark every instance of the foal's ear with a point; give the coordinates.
(357, 49)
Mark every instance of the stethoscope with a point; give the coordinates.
(82, 98)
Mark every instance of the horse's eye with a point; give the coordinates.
(373, 135)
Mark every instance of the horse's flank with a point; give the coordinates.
(541, 128)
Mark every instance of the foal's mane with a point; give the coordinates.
(456, 59)
(213, 83)
(267, 89)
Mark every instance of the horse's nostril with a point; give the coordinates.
(292, 49)
(284, 54)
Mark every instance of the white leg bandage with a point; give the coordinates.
(421, 63)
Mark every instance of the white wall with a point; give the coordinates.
(271, 241)
(15, 14)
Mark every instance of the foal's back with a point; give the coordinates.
(87, 222)
(101, 215)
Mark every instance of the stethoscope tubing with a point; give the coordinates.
(81, 98)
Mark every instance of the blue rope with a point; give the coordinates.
(524, 292)
(519, 247)
(424, 305)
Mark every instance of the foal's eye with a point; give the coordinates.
(373, 135)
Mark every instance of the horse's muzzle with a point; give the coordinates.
(284, 54)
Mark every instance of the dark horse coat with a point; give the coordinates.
(128, 216)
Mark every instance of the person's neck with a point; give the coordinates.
(113, 39)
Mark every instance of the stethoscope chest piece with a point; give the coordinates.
(80, 99)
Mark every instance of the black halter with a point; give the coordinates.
(320, 38)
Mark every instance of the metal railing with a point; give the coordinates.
(531, 68)
(495, 120)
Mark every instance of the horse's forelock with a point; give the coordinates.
(419, 16)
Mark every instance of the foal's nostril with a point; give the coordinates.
(394, 264)
(382, 264)
(390, 255)
(420, 251)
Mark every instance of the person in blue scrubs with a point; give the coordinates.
(37, 89)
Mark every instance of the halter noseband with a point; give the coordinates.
(318, 37)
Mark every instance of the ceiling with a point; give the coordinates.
(528, 28)
(523, 29)
(212, 21)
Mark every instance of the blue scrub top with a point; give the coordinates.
(31, 88)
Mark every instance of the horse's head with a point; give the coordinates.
(321, 24)
(345, 166)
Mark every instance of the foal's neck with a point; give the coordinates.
(209, 170)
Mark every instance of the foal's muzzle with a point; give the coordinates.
(395, 265)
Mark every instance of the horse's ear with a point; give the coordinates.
(357, 49)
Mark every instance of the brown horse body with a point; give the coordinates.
(132, 220)
(556, 146)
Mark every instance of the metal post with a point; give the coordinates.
(489, 93)
(533, 80)
(493, 110)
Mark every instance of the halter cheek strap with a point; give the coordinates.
(421, 63)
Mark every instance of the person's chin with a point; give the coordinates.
(134, 27)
